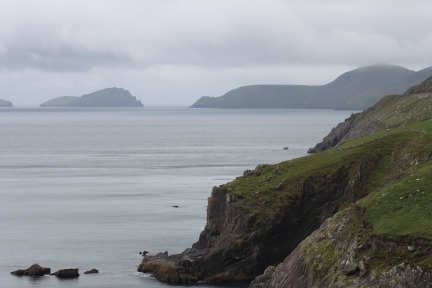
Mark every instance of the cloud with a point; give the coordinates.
(196, 47)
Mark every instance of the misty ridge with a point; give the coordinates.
(354, 90)
(109, 97)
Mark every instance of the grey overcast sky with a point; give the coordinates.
(171, 52)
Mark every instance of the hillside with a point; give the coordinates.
(355, 90)
(355, 216)
(390, 112)
(4, 103)
(59, 102)
(109, 97)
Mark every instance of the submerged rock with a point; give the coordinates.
(92, 271)
(34, 270)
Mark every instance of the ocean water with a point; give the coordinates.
(90, 188)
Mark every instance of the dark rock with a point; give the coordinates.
(92, 271)
(67, 273)
(34, 271)
(20, 272)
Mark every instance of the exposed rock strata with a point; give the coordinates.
(338, 255)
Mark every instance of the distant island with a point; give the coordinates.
(109, 97)
(356, 90)
(4, 103)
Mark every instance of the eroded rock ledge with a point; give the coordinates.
(344, 253)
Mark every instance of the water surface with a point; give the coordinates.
(89, 188)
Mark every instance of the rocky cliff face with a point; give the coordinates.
(343, 253)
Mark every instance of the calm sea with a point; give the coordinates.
(90, 188)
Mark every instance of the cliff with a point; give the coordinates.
(353, 216)
(4, 103)
(356, 90)
(109, 97)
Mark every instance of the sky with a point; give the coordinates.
(172, 52)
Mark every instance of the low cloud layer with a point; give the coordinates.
(174, 51)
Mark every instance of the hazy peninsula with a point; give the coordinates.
(354, 215)
(4, 103)
(109, 97)
(354, 90)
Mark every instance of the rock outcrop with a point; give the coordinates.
(92, 271)
(109, 97)
(4, 103)
(344, 253)
(34, 270)
(67, 273)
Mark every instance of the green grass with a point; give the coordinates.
(269, 190)
(404, 208)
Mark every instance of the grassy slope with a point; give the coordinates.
(257, 190)
(404, 207)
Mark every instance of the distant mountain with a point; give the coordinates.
(357, 89)
(109, 97)
(4, 103)
(63, 101)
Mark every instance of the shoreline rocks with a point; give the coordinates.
(34, 270)
(67, 273)
(92, 271)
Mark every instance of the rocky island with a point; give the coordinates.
(354, 214)
(109, 97)
(4, 103)
(354, 90)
